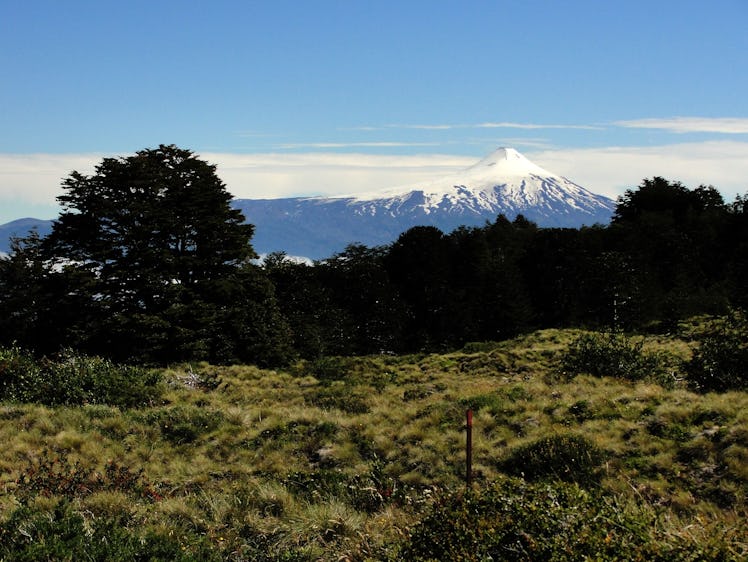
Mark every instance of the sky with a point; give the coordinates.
(329, 97)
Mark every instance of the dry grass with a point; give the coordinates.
(389, 427)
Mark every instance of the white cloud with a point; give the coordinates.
(726, 125)
(372, 144)
(325, 173)
(609, 171)
(429, 127)
(612, 170)
(485, 125)
(507, 125)
(34, 179)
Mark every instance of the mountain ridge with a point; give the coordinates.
(503, 182)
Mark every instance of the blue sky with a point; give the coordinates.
(328, 97)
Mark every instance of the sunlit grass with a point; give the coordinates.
(375, 441)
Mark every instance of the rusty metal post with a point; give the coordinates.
(469, 450)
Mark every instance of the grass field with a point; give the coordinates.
(352, 458)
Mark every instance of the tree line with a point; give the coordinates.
(668, 254)
(148, 263)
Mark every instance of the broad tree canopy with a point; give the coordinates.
(161, 217)
(156, 263)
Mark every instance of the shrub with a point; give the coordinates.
(73, 379)
(94, 380)
(50, 476)
(721, 361)
(490, 402)
(56, 476)
(20, 375)
(668, 429)
(581, 411)
(571, 458)
(307, 438)
(184, 424)
(295, 431)
(612, 354)
(63, 534)
(516, 520)
(330, 368)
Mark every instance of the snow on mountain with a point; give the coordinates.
(504, 182)
(498, 167)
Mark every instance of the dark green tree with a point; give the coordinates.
(159, 264)
(360, 286)
(737, 240)
(488, 300)
(508, 306)
(418, 264)
(318, 325)
(675, 238)
(22, 297)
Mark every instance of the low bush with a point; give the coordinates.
(20, 375)
(72, 379)
(52, 475)
(63, 534)
(613, 355)
(516, 520)
(295, 431)
(493, 403)
(582, 411)
(721, 361)
(184, 424)
(330, 368)
(301, 438)
(571, 458)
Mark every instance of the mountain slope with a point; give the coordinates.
(20, 228)
(504, 182)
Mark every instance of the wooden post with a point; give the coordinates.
(469, 450)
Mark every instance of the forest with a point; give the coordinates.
(148, 263)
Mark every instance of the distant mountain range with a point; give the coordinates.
(504, 182)
(22, 227)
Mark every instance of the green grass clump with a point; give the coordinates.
(363, 459)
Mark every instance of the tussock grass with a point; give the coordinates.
(339, 459)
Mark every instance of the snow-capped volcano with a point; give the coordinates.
(502, 182)
(499, 167)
